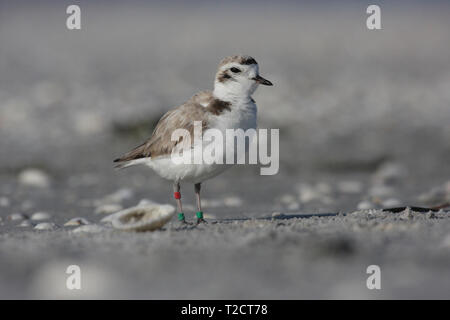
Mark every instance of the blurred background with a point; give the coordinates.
(363, 115)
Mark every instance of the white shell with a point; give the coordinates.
(76, 222)
(40, 216)
(146, 217)
(45, 226)
(34, 178)
(17, 216)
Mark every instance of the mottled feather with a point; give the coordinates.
(199, 108)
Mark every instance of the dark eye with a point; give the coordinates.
(235, 70)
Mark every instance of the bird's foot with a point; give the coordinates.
(200, 218)
(182, 220)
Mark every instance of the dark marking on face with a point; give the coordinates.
(224, 76)
(217, 106)
(248, 61)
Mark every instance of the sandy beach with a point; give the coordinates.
(363, 119)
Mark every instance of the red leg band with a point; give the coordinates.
(177, 195)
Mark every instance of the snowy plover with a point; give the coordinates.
(228, 106)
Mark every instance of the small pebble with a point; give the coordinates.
(46, 226)
(276, 214)
(34, 178)
(108, 208)
(76, 222)
(17, 216)
(40, 216)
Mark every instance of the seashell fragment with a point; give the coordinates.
(45, 226)
(76, 222)
(142, 217)
(17, 216)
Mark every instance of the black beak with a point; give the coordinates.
(263, 81)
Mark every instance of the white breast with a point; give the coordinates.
(242, 115)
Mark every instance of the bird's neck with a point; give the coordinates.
(231, 93)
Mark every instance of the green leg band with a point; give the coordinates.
(181, 216)
(199, 214)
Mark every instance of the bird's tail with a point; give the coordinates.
(124, 164)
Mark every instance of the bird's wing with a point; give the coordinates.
(160, 143)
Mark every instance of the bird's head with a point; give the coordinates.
(237, 77)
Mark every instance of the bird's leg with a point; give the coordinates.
(199, 213)
(177, 196)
